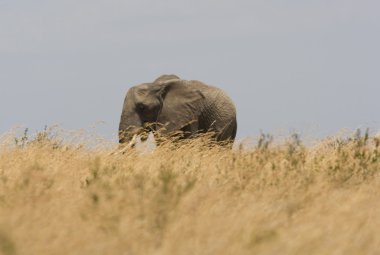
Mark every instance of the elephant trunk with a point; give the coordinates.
(130, 127)
(130, 123)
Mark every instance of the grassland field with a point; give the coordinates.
(63, 197)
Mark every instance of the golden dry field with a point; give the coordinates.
(59, 197)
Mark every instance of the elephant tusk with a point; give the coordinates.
(123, 149)
(132, 143)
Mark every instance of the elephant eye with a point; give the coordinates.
(140, 107)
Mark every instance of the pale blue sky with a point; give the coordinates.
(306, 66)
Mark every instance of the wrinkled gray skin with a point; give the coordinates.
(169, 105)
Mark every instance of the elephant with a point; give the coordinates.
(170, 105)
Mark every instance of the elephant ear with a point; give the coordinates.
(181, 106)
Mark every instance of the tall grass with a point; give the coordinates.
(58, 197)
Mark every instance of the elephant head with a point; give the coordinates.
(166, 105)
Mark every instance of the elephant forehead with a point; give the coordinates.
(144, 94)
(142, 91)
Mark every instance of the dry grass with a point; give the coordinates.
(61, 198)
